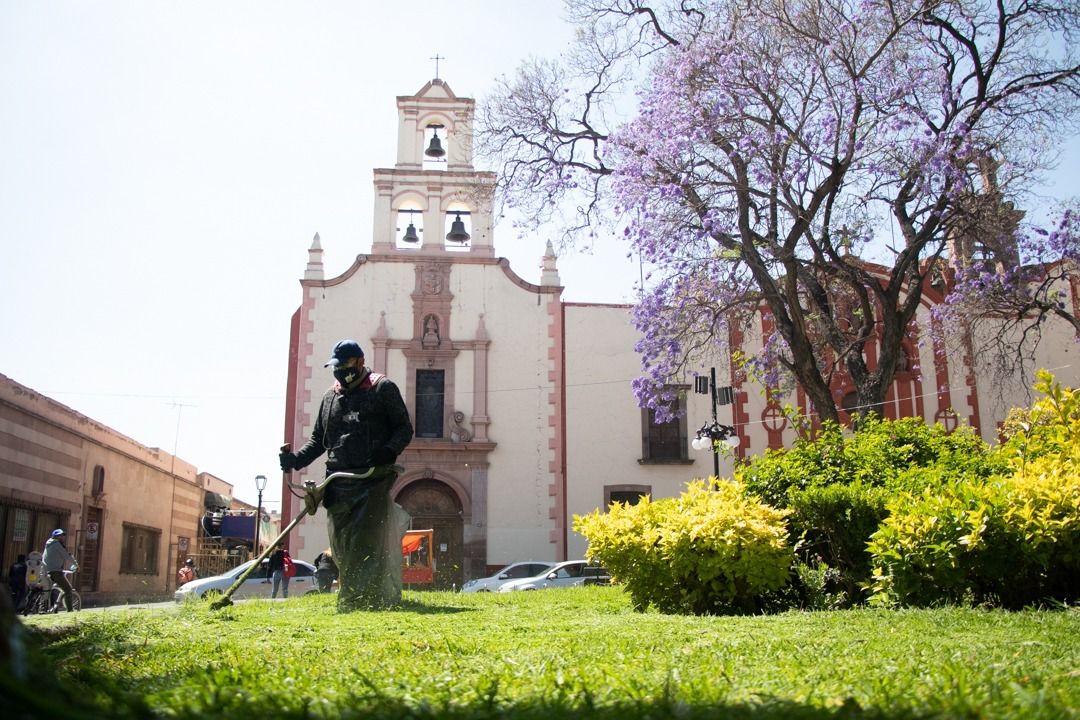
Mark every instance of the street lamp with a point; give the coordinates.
(260, 483)
(711, 433)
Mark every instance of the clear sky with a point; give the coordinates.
(164, 166)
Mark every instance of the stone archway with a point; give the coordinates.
(434, 505)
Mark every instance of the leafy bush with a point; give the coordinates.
(836, 522)
(880, 453)
(837, 483)
(711, 550)
(942, 545)
(1010, 541)
(1044, 515)
(1043, 450)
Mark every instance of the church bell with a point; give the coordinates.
(457, 231)
(410, 235)
(434, 148)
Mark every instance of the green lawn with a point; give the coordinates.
(560, 653)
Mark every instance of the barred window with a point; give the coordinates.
(665, 442)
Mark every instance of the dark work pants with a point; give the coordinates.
(325, 577)
(365, 542)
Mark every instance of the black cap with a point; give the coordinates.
(343, 351)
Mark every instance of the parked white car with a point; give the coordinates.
(513, 571)
(566, 574)
(256, 586)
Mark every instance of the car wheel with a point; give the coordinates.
(211, 595)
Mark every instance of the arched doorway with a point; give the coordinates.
(434, 505)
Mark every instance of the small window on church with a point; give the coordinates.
(626, 494)
(664, 441)
(430, 390)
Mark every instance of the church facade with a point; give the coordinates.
(521, 402)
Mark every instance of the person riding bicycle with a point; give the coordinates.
(56, 559)
(362, 424)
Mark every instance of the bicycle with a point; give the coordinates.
(42, 599)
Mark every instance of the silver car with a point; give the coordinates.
(566, 574)
(258, 585)
(513, 571)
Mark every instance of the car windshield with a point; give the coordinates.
(239, 570)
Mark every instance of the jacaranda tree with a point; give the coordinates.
(808, 159)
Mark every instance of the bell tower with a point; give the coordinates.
(433, 202)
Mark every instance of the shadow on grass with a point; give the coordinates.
(31, 702)
(90, 694)
(423, 608)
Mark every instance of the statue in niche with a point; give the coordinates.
(458, 433)
(431, 331)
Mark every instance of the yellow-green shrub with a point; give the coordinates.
(713, 549)
(942, 545)
(1011, 541)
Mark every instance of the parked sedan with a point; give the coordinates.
(566, 574)
(258, 585)
(513, 571)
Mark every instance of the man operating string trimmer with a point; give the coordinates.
(362, 424)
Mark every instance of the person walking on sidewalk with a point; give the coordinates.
(276, 571)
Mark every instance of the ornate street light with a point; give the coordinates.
(260, 483)
(709, 434)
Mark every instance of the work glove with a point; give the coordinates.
(312, 498)
(287, 460)
(383, 456)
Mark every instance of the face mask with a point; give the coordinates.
(346, 375)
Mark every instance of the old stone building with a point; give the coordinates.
(129, 510)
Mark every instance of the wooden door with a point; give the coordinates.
(434, 505)
(90, 558)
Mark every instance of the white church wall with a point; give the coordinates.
(518, 499)
(1000, 390)
(603, 420)
(348, 309)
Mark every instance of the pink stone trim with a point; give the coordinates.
(301, 354)
(557, 421)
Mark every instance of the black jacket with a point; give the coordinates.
(352, 424)
(325, 562)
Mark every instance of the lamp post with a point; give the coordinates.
(711, 433)
(260, 483)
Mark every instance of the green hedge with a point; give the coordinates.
(1011, 541)
(837, 484)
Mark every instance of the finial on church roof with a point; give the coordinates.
(550, 274)
(314, 270)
